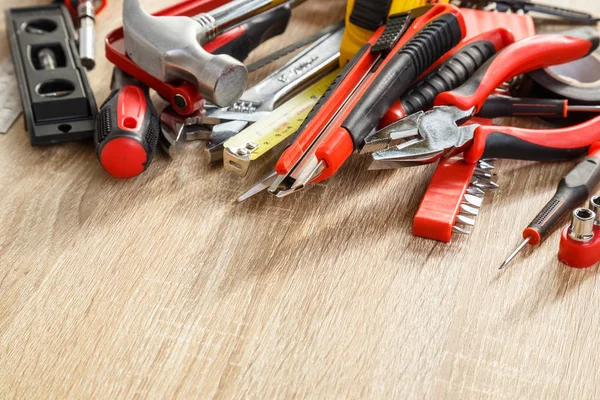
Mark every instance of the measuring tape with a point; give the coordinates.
(10, 99)
(268, 132)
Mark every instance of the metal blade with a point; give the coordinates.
(484, 174)
(306, 176)
(485, 165)
(461, 231)
(262, 185)
(485, 185)
(405, 162)
(465, 220)
(472, 200)
(475, 191)
(468, 210)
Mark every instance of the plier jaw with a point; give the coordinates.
(421, 138)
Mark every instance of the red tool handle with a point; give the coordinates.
(533, 144)
(526, 55)
(451, 71)
(375, 89)
(127, 128)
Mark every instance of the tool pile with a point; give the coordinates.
(406, 82)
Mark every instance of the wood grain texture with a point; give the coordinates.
(162, 287)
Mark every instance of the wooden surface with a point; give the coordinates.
(162, 287)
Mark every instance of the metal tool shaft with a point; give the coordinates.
(86, 13)
(514, 253)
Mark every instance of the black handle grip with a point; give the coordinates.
(505, 106)
(127, 129)
(572, 190)
(561, 12)
(534, 145)
(396, 76)
(257, 30)
(502, 145)
(370, 14)
(452, 73)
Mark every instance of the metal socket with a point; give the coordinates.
(595, 207)
(582, 225)
(47, 58)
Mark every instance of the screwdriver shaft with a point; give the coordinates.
(514, 253)
(582, 108)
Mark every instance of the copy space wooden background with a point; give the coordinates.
(161, 286)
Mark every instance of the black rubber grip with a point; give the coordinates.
(330, 90)
(393, 31)
(257, 30)
(572, 190)
(501, 145)
(451, 74)
(505, 106)
(370, 14)
(470, 87)
(427, 46)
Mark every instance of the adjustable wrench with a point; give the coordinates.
(219, 124)
(171, 47)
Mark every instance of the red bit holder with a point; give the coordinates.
(580, 240)
(440, 208)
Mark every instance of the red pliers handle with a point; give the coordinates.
(533, 144)
(526, 55)
(523, 56)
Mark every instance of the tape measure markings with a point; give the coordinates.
(270, 131)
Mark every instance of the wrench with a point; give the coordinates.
(219, 124)
(171, 47)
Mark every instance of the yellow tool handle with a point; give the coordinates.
(355, 36)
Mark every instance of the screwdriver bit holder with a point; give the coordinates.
(580, 240)
(58, 103)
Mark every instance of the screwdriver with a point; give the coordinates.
(572, 190)
(127, 128)
(506, 106)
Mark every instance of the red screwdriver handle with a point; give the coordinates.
(526, 55)
(531, 144)
(127, 131)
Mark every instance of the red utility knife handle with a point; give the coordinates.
(342, 123)
(531, 144)
(526, 55)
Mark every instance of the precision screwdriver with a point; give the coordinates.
(506, 106)
(572, 190)
(127, 128)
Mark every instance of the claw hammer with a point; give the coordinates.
(170, 47)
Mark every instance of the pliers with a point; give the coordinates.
(425, 137)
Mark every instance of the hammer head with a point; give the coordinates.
(170, 48)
